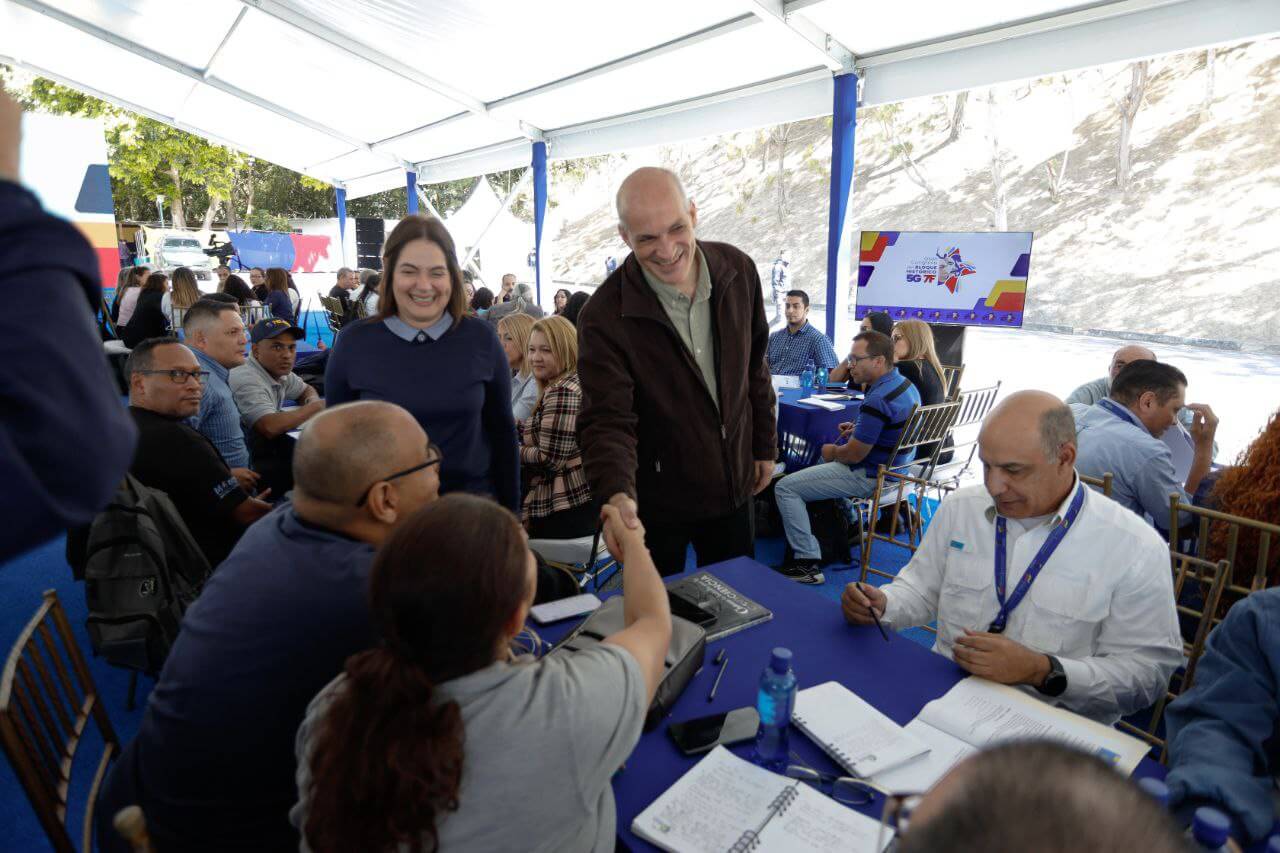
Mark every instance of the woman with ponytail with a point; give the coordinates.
(440, 738)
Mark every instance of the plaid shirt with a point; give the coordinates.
(788, 353)
(549, 451)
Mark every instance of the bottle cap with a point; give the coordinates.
(1210, 826)
(1156, 789)
(780, 660)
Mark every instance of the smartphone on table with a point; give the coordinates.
(694, 737)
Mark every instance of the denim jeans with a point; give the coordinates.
(828, 480)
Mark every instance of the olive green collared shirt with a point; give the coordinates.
(692, 319)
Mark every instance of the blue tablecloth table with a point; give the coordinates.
(803, 427)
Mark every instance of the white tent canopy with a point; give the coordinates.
(356, 92)
(502, 241)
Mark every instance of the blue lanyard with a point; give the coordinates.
(1037, 563)
(1120, 412)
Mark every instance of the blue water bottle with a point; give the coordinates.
(774, 702)
(822, 377)
(1156, 789)
(1210, 829)
(806, 379)
(1273, 844)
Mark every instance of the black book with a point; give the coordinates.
(734, 612)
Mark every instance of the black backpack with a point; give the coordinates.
(829, 523)
(142, 570)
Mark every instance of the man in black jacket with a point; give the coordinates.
(677, 424)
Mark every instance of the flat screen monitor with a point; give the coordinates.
(945, 277)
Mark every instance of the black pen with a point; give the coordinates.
(723, 660)
(879, 624)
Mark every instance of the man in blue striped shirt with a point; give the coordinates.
(792, 348)
(215, 333)
(849, 470)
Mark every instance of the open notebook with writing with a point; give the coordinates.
(727, 805)
(857, 737)
(977, 713)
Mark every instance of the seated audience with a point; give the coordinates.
(129, 278)
(421, 738)
(558, 505)
(482, 302)
(874, 321)
(521, 302)
(183, 293)
(1036, 795)
(235, 286)
(215, 333)
(147, 318)
(1121, 435)
(513, 331)
(798, 345)
(258, 283)
(1097, 634)
(916, 358)
(561, 300)
(279, 297)
(1223, 750)
(213, 763)
(1251, 489)
(260, 388)
(164, 391)
(367, 299)
(345, 286)
(849, 469)
(575, 305)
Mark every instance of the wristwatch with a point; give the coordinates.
(1056, 681)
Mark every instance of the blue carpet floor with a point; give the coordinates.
(23, 579)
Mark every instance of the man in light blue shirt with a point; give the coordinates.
(792, 348)
(1120, 436)
(214, 331)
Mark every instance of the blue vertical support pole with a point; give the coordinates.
(340, 202)
(411, 192)
(844, 120)
(539, 166)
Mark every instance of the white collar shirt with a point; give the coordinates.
(1103, 604)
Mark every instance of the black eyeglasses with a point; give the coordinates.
(854, 359)
(842, 789)
(432, 451)
(179, 377)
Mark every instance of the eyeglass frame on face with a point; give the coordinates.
(178, 376)
(854, 359)
(896, 815)
(431, 449)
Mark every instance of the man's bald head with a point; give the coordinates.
(646, 186)
(1028, 450)
(1127, 354)
(345, 449)
(657, 221)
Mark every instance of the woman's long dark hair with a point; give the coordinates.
(567, 296)
(483, 300)
(235, 286)
(574, 308)
(277, 279)
(387, 760)
(372, 284)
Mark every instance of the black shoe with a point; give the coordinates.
(802, 571)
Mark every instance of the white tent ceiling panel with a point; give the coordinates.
(494, 48)
(495, 158)
(315, 79)
(464, 133)
(746, 55)
(274, 137)
(375, 183)
(187, 32)
(359, 162)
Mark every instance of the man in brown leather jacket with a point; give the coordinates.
(677, 423)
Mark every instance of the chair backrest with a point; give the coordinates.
(1249, 575)
(928, 425)
(46, 699)
(951, 375)
(333, 312)
(975, 404)
(108, 325)
(1102, 484)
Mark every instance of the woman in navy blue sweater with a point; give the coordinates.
(278, 294)
(423, 352)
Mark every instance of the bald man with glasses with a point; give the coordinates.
(213, 764)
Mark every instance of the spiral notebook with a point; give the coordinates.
(856, 736)
(728, 805)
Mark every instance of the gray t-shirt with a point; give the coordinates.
(543, 741)
(257, 394)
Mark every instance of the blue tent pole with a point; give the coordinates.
(411, 192)
(844, 120)
(539, 210)
(340, 202)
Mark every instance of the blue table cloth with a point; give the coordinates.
(803, 427)
(897, 677)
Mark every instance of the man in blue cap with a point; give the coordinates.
(260, 387)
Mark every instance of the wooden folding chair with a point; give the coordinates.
(1102, 484)
(1209, 521)
(46, 699)
(1195, 581)
(951, 375)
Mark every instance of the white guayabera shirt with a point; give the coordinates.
(1103, 604)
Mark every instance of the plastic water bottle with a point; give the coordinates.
(822, 378)
(806, 379)
(1273, 844)
(1156, 789)
(1210, 829)
(774, 702)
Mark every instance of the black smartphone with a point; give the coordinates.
(689, 610)
(704, 733)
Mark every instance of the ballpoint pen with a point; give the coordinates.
(879, 624)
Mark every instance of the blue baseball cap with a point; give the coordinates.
(273, 327)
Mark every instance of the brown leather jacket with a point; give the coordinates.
(648, 426)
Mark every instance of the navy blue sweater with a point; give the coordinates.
(459, 389)
(65, 438)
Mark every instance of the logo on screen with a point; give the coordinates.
(951, 268)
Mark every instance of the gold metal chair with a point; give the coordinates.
(46, 699)
(974, 405)
(951, 376)
(1102, 484)
(1207, 522)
